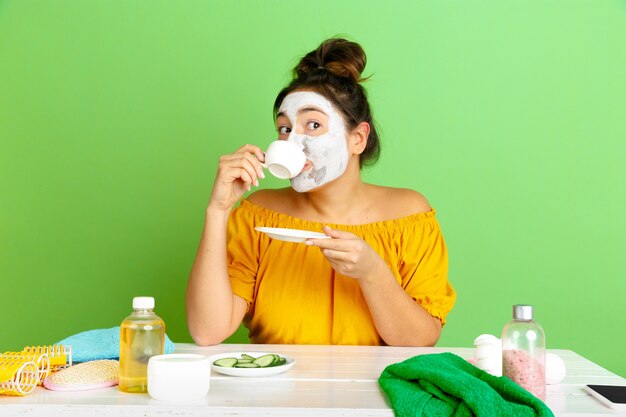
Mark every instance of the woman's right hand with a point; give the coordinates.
(236, 173)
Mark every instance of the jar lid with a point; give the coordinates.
(522, 312)
(143, 302)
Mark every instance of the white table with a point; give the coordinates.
(326, 380)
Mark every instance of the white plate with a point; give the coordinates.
(250, 372)
(291, 235)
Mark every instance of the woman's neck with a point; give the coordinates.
(339, 201)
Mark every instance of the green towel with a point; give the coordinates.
(445, 384)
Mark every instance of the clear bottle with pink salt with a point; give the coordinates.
(524, 351)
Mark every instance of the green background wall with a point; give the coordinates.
(510, 116)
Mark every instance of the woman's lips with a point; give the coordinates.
(308, 164)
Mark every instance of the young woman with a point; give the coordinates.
(380, 279)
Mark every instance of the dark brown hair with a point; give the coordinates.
(334, 71)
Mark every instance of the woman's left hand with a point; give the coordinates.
(348, 254)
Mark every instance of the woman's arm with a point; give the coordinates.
(399, 320)
(213, 311)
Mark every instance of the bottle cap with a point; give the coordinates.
(522, 312)
(143, 302)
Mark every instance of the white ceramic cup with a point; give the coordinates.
(284, 159)
(178, 377)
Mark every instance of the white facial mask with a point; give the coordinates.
(327, 152)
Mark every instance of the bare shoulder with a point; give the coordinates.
(274, 199)
(400, 202)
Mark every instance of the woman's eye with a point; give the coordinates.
(312, 125)
(283, 130)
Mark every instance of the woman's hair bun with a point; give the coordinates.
(338, 56)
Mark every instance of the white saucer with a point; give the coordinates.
(291, 235)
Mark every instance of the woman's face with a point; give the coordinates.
(310, 120)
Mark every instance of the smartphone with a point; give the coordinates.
(612, 395)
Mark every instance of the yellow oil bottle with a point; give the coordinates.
(142, 336)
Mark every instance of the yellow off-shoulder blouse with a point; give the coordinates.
(295, 297)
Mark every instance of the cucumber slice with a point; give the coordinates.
(247, 365)
(278, 360)
(226, 362)
(247, 361)
(264, 361)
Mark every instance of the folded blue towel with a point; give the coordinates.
(97, 344)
